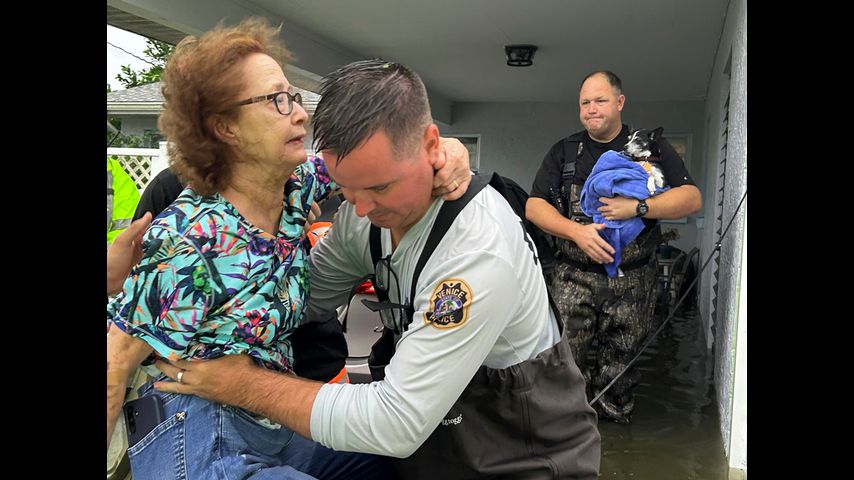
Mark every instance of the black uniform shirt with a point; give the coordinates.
(565, 150)
(160, 192)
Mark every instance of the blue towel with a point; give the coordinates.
(615, 174)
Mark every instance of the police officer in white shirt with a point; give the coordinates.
(482, 383)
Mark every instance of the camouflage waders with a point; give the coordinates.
(617, 312)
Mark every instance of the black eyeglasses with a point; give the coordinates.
(395, 316)
(284, 101)
(384, 273)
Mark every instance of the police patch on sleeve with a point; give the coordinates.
(449, 304)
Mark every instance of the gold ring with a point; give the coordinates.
(456, 184)
(180, 376)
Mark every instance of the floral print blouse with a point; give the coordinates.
(210, 283)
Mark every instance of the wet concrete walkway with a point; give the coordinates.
(675, 429)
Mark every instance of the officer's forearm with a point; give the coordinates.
(285, 399)
(675, 203)
(545, 216)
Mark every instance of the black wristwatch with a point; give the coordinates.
(642, 208)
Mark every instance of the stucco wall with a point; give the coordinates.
(516, 136)
(729, 77)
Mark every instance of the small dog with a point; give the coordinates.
(642, 147)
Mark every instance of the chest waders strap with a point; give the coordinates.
(568, 167)
(383, 349)
(571, 188)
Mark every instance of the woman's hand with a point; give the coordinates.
(311, 218)
(453, 172)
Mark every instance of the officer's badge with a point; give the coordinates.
(450, 304)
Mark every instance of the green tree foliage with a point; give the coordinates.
(156, 53)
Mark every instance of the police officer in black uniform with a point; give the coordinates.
(617, 312)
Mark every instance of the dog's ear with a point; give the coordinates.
(653, 136)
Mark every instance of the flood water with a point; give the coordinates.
(675, 432)
(675, 429)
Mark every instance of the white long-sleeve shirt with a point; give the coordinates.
(483, 269)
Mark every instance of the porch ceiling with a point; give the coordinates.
(662, 49)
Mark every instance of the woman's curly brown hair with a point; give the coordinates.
(200, 82)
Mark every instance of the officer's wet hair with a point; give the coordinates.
(612, 77)
(364, 97)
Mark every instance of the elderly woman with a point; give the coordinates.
(224, 268)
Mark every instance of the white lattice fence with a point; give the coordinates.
(142, 164)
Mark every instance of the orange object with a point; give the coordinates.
(342, 377)
(317, 231)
